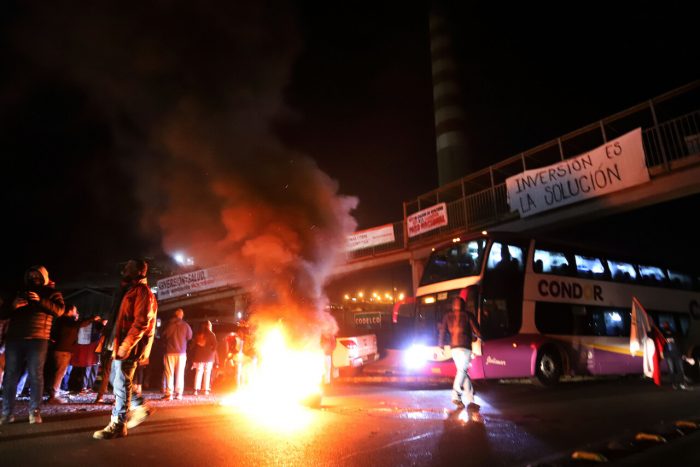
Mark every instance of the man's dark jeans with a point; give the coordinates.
(122, 384)
(16, 351)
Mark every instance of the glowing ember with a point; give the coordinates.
(280, 380)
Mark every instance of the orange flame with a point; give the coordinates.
(280, 380)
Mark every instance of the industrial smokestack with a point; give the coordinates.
(451, 141)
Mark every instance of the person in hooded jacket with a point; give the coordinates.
(204, 356)
(31, 314)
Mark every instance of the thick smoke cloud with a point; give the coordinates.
(190, 92)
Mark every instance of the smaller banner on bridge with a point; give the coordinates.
(427, 220)
(195, 281)
(371, 237)
(616, 165)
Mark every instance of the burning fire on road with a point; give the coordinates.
(285, 377)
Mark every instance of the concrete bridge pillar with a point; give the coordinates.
(417, 266)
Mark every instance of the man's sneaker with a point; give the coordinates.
(195, 393)
(473, 406)
(111, 431)
(35, 417)
(7, 419)
(178, 397)
(138, 415)
(685, 387)
(458, 403)
(167, 397)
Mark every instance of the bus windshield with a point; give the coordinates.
(458, 260)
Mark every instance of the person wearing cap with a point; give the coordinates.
(31, 314)
(129, 337)
(672, 355)
(176, 334)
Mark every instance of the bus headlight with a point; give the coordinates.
(416, 356)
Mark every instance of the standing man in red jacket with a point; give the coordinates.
(130, 338)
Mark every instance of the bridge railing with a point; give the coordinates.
(672, 141)
(479, 200)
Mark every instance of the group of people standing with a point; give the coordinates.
(181, 345)
(64, 335)
(127, 338)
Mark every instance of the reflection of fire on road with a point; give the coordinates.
(284, 377)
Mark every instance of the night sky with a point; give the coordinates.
(107, 111)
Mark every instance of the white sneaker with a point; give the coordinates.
(138, 415)
(7, 419)
(35, 417)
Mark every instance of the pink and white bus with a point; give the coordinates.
(550, 310)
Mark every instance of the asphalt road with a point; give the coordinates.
(370, 424)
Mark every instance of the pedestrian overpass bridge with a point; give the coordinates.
(670, 127)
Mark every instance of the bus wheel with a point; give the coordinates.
(549, 368)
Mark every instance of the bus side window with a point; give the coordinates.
(617, 323)
(622, 272)
(589, 267)
(652, 275)
(679, 322)
(538, 266)
(679, 280)
(505, 258)
(552, 262)
(503, 291)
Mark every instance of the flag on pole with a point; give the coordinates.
(645, 336)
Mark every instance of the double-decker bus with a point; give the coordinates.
(546, 309)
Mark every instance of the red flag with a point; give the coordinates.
(646, 335)
(659, 342)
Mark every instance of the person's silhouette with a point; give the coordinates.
(507, 263)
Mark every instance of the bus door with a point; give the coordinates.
(429, 314)
(501, 310)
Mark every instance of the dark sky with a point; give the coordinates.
(104, 109)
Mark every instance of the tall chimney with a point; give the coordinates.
(450, 125)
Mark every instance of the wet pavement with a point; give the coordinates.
(77, 403)
(388, 424)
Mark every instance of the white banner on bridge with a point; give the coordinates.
(613, 166)
(195, 281)
(371, 237)
(427, 220)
